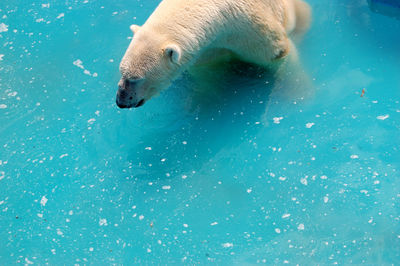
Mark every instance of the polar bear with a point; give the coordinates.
(180, 33)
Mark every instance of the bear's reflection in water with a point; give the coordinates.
(215, 108)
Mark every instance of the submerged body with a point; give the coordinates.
(180, 32)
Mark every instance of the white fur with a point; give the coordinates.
(257, 31)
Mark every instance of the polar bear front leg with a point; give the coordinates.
(264, 45)
(281, 48)
(276, 42)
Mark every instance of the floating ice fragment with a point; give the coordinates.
(227, 245)
(1, 57)
(28, 261)
(2, 175)
(382, 117)
(214, 223)
(277, 230)
(324, 177)
(304, 181)
(59, 232)
(91, 121)
(63, 155)
(286, 215)
(309, 125)
(166, 187)
(300, 227)
(43, 201)
(277, 120)
(78, 63)
(103, 222)
(326, 199)
(60, 16)
(46, 5)
(3, 27)
(3, 106)
(354, 156)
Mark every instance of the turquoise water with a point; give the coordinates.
(251, 170)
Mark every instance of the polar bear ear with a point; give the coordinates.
(134, 28)
(173, 52)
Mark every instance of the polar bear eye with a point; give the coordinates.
(173, 52)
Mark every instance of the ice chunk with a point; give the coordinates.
(43, 201)
(3, 27)
(382, 117)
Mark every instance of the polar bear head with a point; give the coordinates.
(150, 63)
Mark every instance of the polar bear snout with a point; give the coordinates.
(127, 93)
